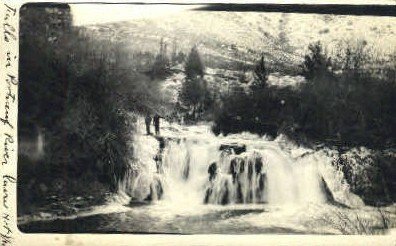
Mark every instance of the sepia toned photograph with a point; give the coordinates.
(206, 119)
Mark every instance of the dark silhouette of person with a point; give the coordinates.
(148, 122)
(156, 121)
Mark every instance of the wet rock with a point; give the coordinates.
(137, 203)
(161, 141)
(250, 196)
(262, 182)
(158, 162)
(235, 147)
(159, 189)
(208, 193)
(233, 171)
(239, 198)
(329, 195)
(212, 170)
(327, 191)
(226, 196)
(236, 167)
(242, 166)
(258, 165)
(250, 170)
(186, 171)
(156, 191)
(186, 167)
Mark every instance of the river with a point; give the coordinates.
(187, 181)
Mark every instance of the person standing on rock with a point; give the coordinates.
(148, 122)
(156, 122)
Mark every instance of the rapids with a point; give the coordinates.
(188, 180)
(189, 165)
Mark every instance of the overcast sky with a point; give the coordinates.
(84, 14)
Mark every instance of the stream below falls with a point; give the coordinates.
(187, 180)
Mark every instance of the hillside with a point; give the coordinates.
(240, 37)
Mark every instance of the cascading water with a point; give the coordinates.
(192, 166)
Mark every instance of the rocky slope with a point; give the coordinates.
(242, 37)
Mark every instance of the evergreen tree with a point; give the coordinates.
(181, 57)
(261, 73)
(316, 63)
(194, 90)
(194, 66)
(161, 64)
(174, 53)
(353, 59)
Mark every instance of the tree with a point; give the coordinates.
(181, 57)
(61, 96)
(161, 64)
(352, 58)
(194, 66)
(194, 91)
(44, 76)
(316, 62)
(260, 74)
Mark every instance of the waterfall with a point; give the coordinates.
(191, 166)
(264, 176)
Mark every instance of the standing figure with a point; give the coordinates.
(148, 122)
(156, 122)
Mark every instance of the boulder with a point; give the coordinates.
(235, 147)
(329, 195)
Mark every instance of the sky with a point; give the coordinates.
(85, 14)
